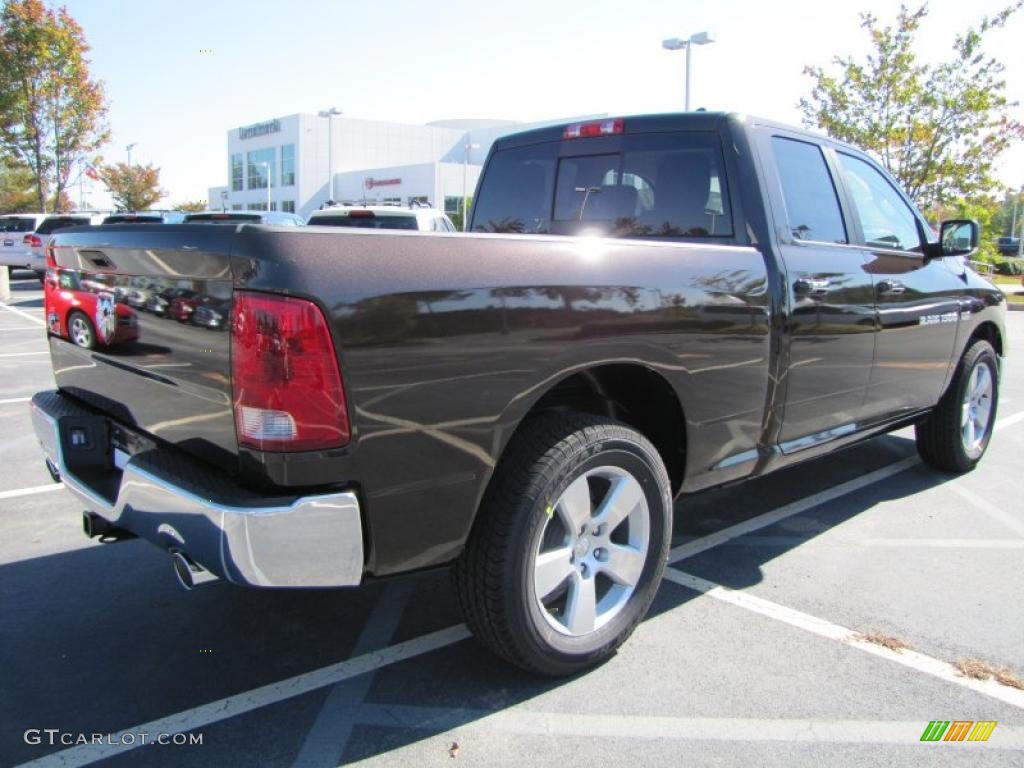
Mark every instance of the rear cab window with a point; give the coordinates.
(61, 222)
(366, 222)
(654, 185)
(17, 225)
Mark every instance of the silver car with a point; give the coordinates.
(15, 232)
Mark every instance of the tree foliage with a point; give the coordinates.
(937, 128)
(133, 187)
(192, 206)
(17, 191)
(51, 112)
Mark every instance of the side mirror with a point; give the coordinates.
(957, 237)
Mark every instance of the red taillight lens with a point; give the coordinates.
(287, 386)
(362, 214)
(599, 128)
(33, 240)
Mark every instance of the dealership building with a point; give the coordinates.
(298, 162)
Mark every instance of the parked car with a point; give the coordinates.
(52, 223)
(16, 231)
(183, 305)
(685, 301)
(1008, 246)
(88, 319)
(159, 302)
(213, 313)
(383, 217)
(275, 218)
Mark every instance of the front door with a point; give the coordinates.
(916, 298)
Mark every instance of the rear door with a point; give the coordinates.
(918, 304)
(831, 320)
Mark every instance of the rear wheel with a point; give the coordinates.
(81, 330)
(956, 434)
(570, 545)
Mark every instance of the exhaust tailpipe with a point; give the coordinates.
(93, 525)
(189, 573)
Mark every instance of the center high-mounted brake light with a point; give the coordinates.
(362, 214)
(598, 128)
(285, 377)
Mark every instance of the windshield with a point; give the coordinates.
(17, 225)
(366, 222)
(60, 222)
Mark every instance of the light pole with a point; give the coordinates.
(329, 114)
(267, 166)
(465, 170)
(675, 44)
(129, 149)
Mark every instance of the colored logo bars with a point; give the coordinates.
(958, 730)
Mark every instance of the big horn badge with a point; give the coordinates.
(106, 317)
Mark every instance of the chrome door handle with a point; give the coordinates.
(811, 286)
(891, 287)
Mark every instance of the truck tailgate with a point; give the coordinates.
(158, 302)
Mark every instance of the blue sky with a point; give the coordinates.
(418, 61)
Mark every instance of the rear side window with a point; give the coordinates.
(60, 222)
(660, 185)
(515, 194)
(812, 206)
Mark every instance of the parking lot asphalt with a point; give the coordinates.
(752, 653)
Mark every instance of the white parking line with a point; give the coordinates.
(987, 507)
(823, 628)
(15, 400)
(717, 538)
(239, 704)
(1009, 420)
(23, 354)
(23, 313)
(30, 491)
(35, 328)
(453, 724)
(788, 542)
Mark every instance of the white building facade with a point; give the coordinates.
(285, 163)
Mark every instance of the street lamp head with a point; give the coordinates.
(673, 44)
(702, 38)
(131, 146)
(329, 112)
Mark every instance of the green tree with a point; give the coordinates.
(133, 187)
(51, 112)
(191, 206)
(938, 128)
(17, 193)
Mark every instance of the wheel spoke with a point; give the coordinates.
(624, 565)
(581, 607)
(574, 505)
(550, 570)
(983, 380)
(623, 497)
(969, 433)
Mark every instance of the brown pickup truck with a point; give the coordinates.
(645, 307)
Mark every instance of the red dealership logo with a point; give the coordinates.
(370, 183)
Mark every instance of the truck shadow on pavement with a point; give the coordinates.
(101, 639)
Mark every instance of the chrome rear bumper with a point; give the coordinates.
(309, 541)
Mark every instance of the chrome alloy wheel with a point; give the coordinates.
(81, 333)
(591, 551)
(976, 410)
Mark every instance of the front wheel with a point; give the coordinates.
(81, 330)
(569, 545)
(956, 434)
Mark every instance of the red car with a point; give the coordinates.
(183, 305)
(86, 318)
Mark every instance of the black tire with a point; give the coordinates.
(495, 578)
(941, 442)
(81, 331)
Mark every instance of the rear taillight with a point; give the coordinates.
(598, 128)
(32, 240)
(287, 386)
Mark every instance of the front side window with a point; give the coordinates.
(812, 205)
(886, 220)
(257, 171)
(288, 165)
(236, 173)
